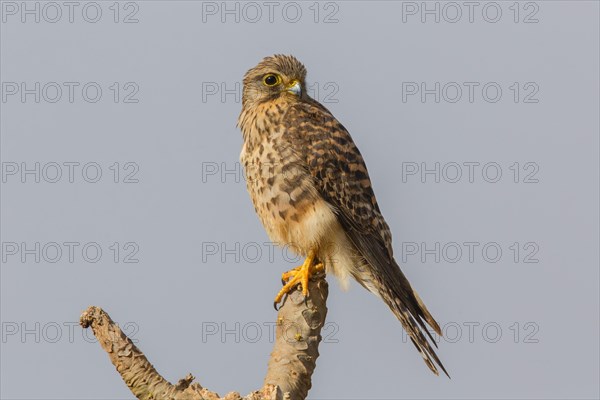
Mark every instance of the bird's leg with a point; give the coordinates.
(300, 275)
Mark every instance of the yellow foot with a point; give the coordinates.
(297, 275)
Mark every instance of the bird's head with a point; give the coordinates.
(274, 77)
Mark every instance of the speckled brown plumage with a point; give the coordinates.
(311, 190)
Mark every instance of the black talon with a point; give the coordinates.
(282, 301)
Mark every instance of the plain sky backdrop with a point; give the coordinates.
(121, 188)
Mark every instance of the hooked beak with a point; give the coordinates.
(295, 88)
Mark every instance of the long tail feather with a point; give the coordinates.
(410, 310)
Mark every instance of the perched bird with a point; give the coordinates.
(311, 190)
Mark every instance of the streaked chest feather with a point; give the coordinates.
(284, 196)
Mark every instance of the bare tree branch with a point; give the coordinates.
(290, 368)
(296, 348)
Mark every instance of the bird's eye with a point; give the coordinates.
(271, 79)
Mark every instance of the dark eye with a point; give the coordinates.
(271, 79)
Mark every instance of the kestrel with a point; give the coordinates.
(311, 190)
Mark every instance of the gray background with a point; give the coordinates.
(546, 311)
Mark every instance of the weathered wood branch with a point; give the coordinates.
(292, 362)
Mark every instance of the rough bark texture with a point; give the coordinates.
(297, 338)
(291, 365)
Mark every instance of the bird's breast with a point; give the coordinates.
(284, 195)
